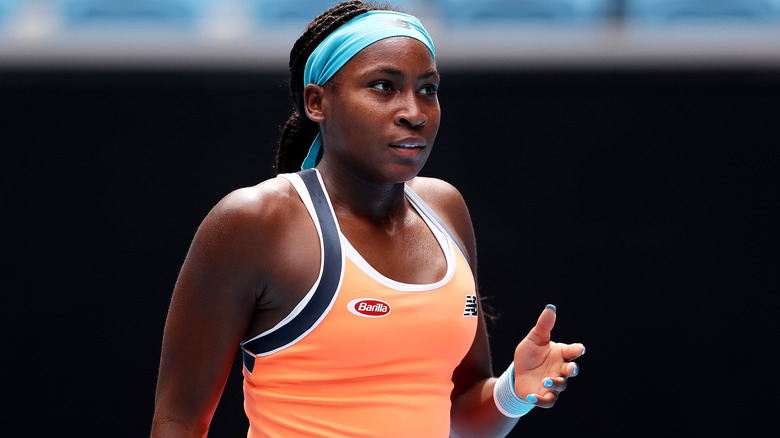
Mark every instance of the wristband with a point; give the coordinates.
(506, 398)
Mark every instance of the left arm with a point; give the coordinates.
(473, 411)
(541, 366)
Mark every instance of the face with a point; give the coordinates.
(380, 113)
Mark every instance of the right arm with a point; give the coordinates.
(213, 302)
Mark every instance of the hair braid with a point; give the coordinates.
(299, 131)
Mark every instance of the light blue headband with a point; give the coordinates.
(349, 39)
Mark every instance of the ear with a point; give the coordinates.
(312, 101)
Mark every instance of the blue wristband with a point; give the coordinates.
(506, 398)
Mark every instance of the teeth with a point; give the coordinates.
(408, 146)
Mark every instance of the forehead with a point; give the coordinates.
(402, 53)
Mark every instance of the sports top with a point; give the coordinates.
(361, 355)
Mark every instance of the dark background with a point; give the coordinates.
(642, 203)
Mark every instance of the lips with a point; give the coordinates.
(409, 143)
(407, 146)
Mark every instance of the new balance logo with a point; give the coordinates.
(471, 306)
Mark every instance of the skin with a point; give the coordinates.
(256, 254)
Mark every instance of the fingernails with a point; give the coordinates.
(550, 306)
(548, 383)
(583, 351)
(531, 399)
(576, 370)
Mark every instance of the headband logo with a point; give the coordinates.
(395, 23)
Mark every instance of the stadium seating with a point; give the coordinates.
(8, 8)
(470, 11)
(132, 12)
(284, 12)
(666, 11)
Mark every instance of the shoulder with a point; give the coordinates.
(257, 198)
(448, 203)
(250, 216)
(249, 232)
(440, 195)
(436, 190)
(268, 201)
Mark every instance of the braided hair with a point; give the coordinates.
(299, 131)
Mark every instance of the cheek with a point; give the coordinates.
(433, 108)
(361, 112)
(368, 121)
(434, 117)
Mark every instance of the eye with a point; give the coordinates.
(430, 89)
(382, 86)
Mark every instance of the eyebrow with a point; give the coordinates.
(395, 72)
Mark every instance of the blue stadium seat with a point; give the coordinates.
(285, 12)
(513, 10)
(132, 12)
(8, 8)
(664, 11)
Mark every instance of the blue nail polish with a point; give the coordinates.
(531, 399)
(583, 351)
(552, 307)
(576, 370)
(548, 383)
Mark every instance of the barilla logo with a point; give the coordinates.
(369, 307)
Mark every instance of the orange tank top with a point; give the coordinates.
(361, 355)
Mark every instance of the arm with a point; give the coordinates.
(541, 368)
(213, 302)
(536, 359)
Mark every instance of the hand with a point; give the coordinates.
(542, 366)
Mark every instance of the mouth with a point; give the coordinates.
(408, 150)
(409, 143)
(407, 146)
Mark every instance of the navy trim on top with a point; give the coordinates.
(326, 289)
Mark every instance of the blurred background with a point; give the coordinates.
(619, 158)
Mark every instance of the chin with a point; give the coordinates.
(402, 174)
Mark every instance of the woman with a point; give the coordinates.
(350, 286)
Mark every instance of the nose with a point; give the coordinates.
(410, 112)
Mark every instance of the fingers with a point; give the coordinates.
(556, 384)
(568, 353)
(546, 398)
(559, 362)
(572, 351)
(543, 401)
(553, 386)
(540, 334)
(570, 369)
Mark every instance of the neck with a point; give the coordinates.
(356, 195)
